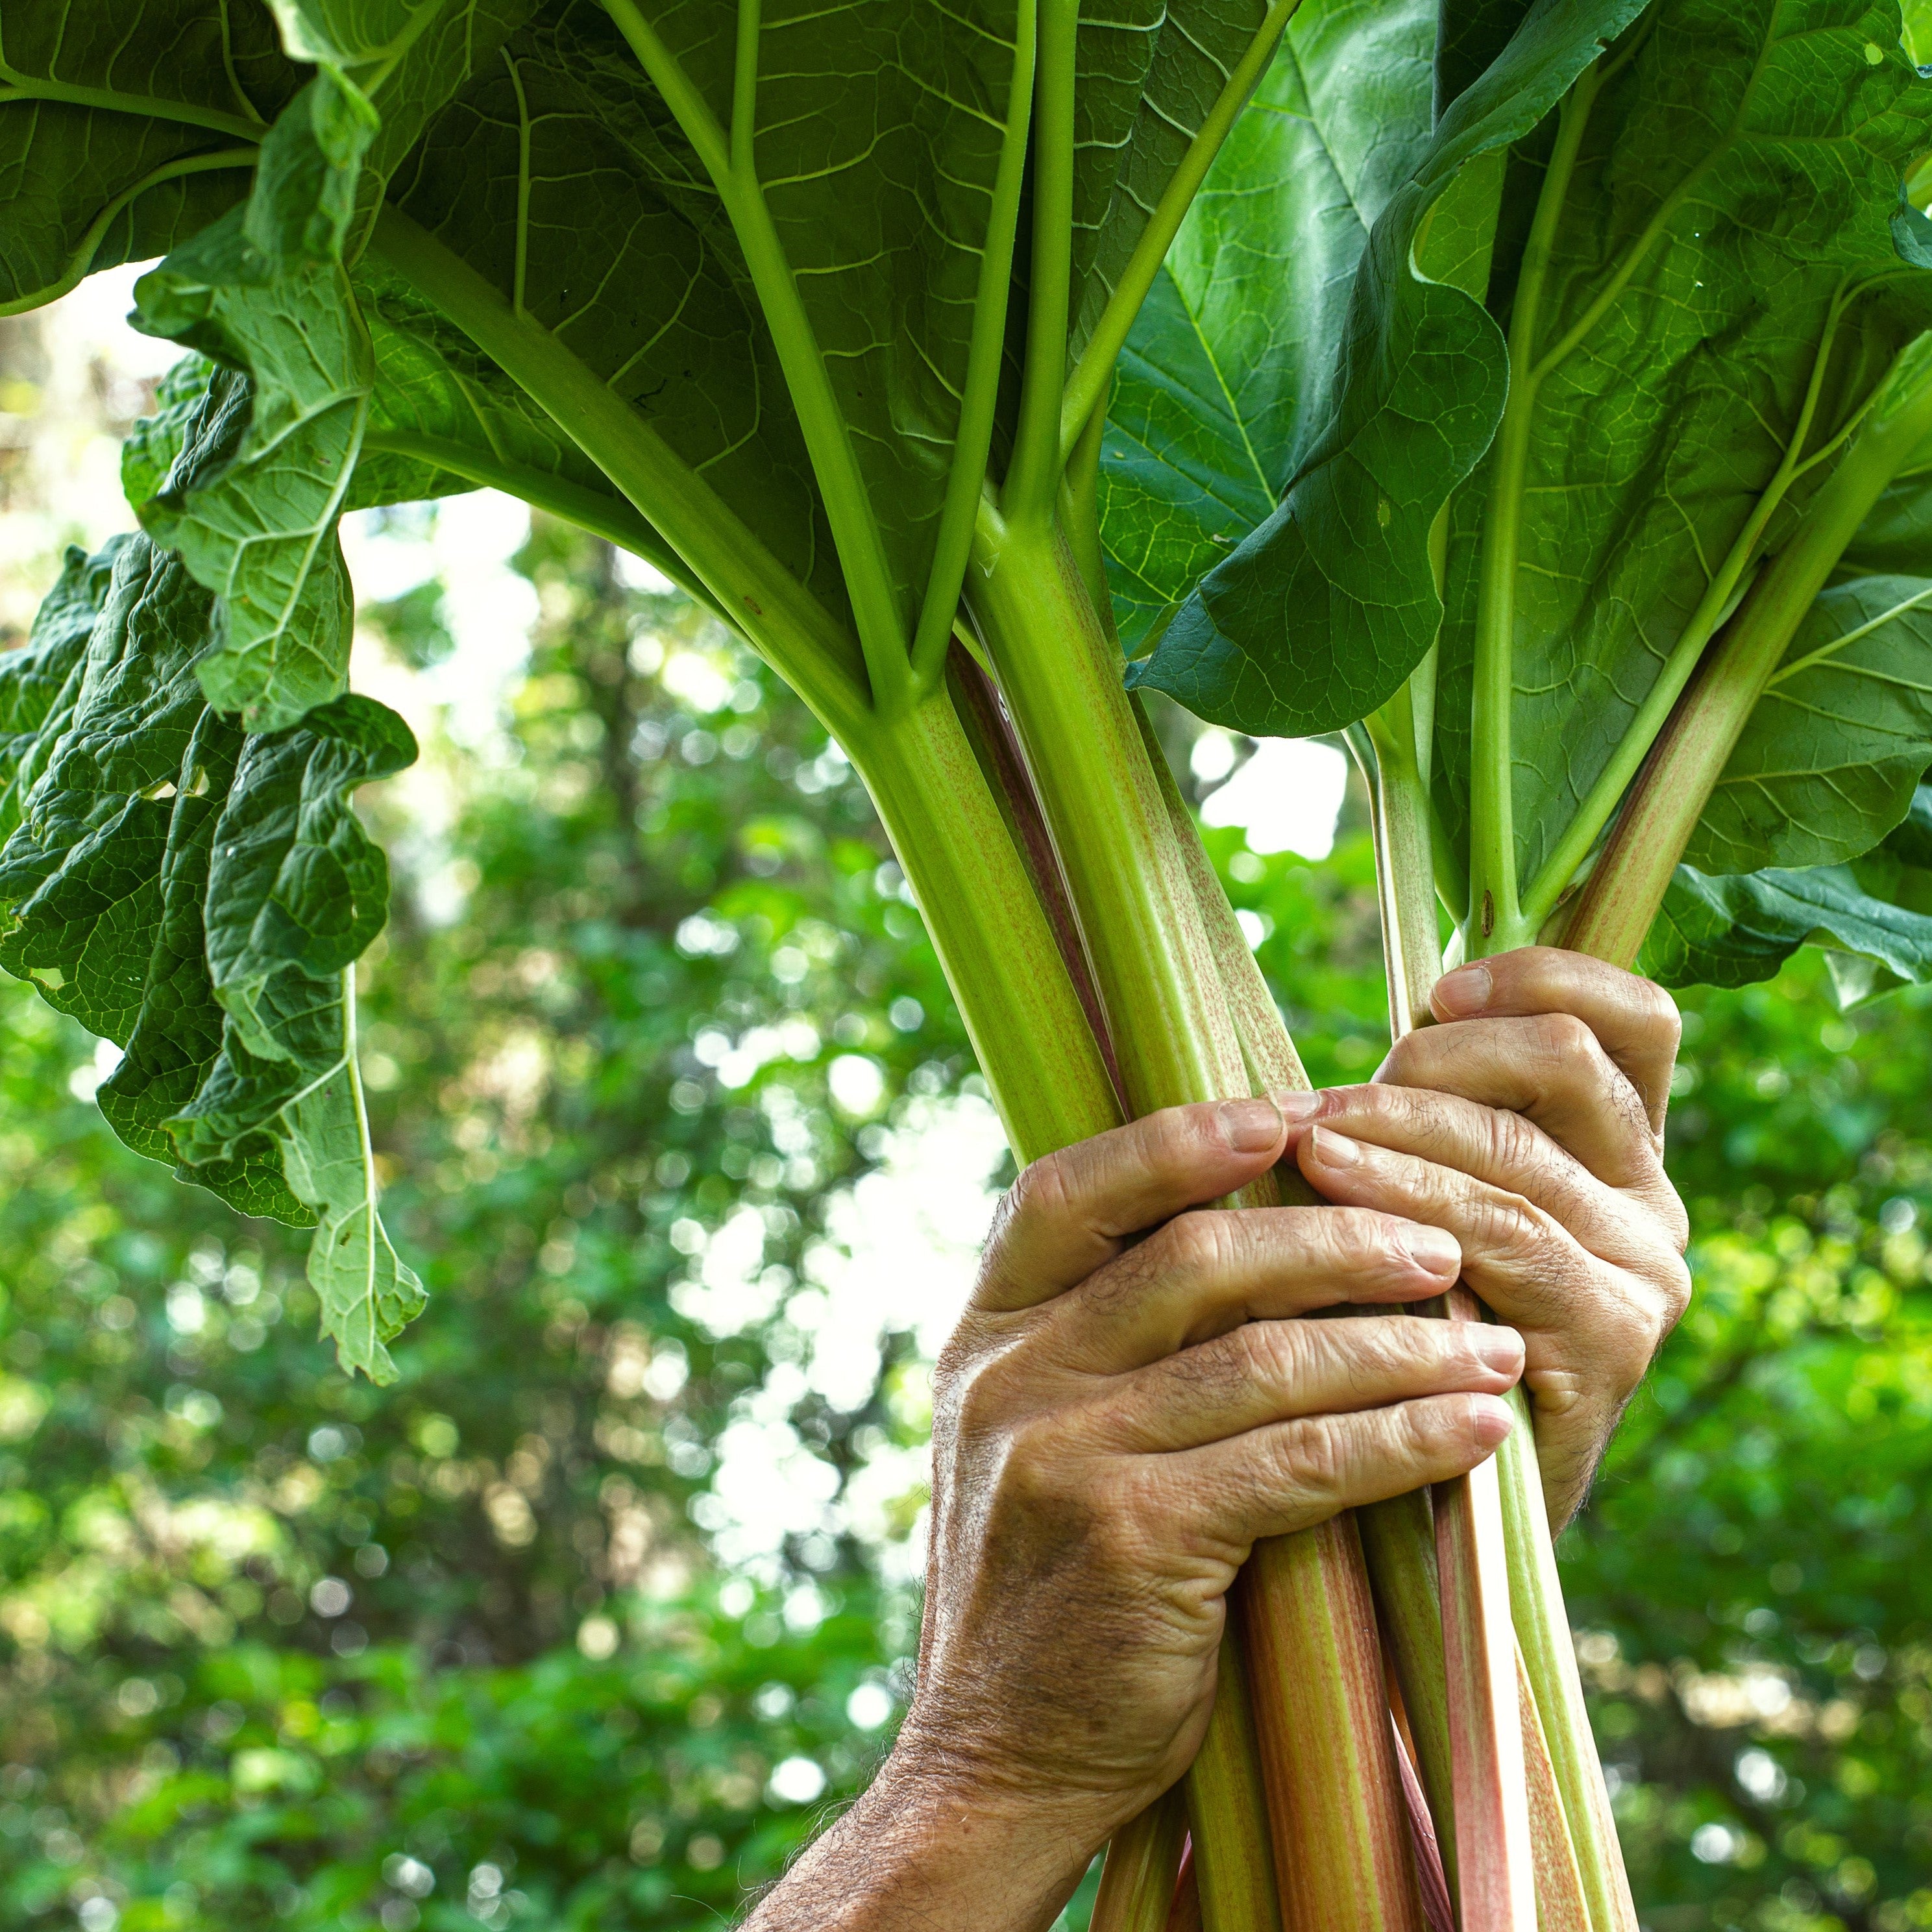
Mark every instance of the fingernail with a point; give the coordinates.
(1435, 1250)
(1249, 1126)
(1490, 1420)
(1333, 1150)
(1464, 992)
(1296, 1106)
(1497, 1348)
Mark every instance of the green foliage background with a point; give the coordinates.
(282, 1649)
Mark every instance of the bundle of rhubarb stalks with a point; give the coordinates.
(1539, 396)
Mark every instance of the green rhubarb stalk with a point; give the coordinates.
(1398, 1540)
(1549, 1660)
(1495, 1858)
(1342, 1846)
(993, 938)
(1617, 906)
(1321, 1720)
(1137, 1884)
(1232, 1862)
(1487, 1821)
(1561, 1906)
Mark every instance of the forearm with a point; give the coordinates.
(918, 1853)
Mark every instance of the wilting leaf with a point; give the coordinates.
(1831, 755)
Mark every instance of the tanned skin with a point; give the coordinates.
(1129, 1404)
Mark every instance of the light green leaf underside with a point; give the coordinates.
(200, 896)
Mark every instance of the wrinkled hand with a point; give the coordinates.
(1530, 1124)
(1118, 1421)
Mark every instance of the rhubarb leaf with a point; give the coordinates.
(1729, 931)
(1734, 197)
(264, 291)
(1327, 606)
(174, 95)
(1833, 752)
(1219, 393)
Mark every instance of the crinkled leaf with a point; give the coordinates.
(40, 682)
(1226, 379)
(176, 94)
(264, 291)
(176, 1040)
(1831, 755)
(200, 896)
(80, 876)
(1730, 930)
(295, 885)
(368, 1296)
(1735, 175)
(1320, 613)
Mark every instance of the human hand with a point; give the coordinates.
(1530, 1123)
(1117, 1421)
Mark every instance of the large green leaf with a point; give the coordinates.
(614, 240)
(125, 126)
(295, 891)
(1317, 616)
(1831, 756)
(1736, 177)
(1227, 377)
(40, 682)
(1149, 71)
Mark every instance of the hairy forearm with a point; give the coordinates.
(920, 1852)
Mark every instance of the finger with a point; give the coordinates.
(1071, 1211)
(1549, 1067)
(1635, 1019)
(1291, 1475)
(1269, 1371)
(1207, 1272)
(1521, 1260)
(1509, 1151)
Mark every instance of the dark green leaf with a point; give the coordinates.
(125, 126)
(40, 682)
(1735, 177)
(617, 244)
(1327, 606)
(1226, 380)
(1830, 758)
(1728, 931)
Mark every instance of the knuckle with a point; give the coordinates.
(1042, 1193)
(1195, 1245)
(1273, 1354)
(1657, 1012)
(1309, 1460)
(1564, 1039)
(1510, 1228)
